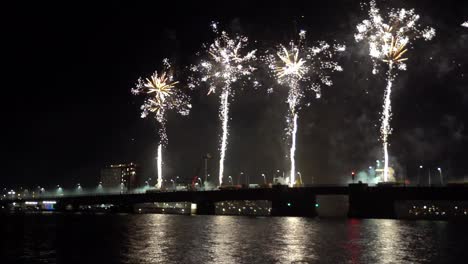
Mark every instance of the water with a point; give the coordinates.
(153, 238)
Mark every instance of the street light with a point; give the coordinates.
(300, 177)
(59, 190)
(78, 188)
(173, 184)
(230, 179)
(206, 158)
(440, 174)
(419, 174)
(41, 190)
(264, 178)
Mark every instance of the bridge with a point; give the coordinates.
(364, 201)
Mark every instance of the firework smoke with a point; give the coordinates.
(303, 69)
(388, 38)
(465, 24)
(161, 95)
(226, 63)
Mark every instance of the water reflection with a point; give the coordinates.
(397, 241)
(226, 244)
(153, 238)
(149, 240)
(353, 245)
(295, 239)
(388, 242)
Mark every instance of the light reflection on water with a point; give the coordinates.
(388, 241)
(226, 239)
(296, 242)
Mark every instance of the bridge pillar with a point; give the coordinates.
(206, 208)
(365, 202)
(294, 206)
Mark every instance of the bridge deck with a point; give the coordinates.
(396, 193)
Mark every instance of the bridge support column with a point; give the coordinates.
(294, 206)
(365, 202)
(205, 208)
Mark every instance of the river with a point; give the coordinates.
(156, 238)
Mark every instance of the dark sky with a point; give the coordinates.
(67, 110)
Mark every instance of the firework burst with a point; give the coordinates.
(302, 69)
(161, 94)
(227, 62)
(388, 38)
(159, 88)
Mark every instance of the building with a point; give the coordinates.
(120, 176)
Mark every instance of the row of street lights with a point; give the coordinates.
(59, 190)
(263, 175)
(439, 169)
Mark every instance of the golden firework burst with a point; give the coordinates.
(292, 64)
(162, 87)
(395, 51)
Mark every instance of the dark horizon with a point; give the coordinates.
(68, 110)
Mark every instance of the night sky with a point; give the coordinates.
(67, 110)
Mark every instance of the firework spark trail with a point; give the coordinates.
(388, 40)
(292, 152)
(224, 120)
(387, 110)
(291, 119)
(228, 63)
(161, 95)
(303, 69)
(159, 166)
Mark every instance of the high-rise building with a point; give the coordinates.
(122, 176)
